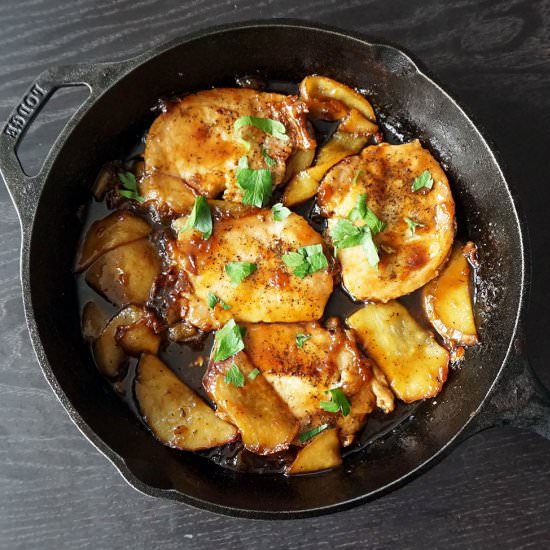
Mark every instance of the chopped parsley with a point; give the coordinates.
(301, 339)
(256, 184)
(369, 247)
(306, 436)
(239, 271)
(228, 341)
(412, 225)
(234, 376)
(212, 300)
(362, 212)
(200, 218)
(268, 160)
(338, 402)
(280, 212)
(129, 184)
(252, 375)
(424, 180)
(267, 125)
(346, 235)
(306, 260)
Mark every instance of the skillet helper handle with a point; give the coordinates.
(25, 190)
(519, 399)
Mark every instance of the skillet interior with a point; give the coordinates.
(287, 53)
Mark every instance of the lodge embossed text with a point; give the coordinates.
(24, 111)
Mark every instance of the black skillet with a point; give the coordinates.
(494, 383)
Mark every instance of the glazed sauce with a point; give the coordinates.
(189, 362)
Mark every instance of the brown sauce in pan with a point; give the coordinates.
(189, 362)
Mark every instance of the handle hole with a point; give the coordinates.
(47, 125)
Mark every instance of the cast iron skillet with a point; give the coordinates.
(120, 97)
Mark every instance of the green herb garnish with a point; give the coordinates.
(234, 376)
(338, 402)
(306, 436)
(306, 260)
(369, 247)
(239, 271)
(228, 341)
(412, 225)
(301, 339)
(267, 125)
(256, 184)
(212, 300)
(268, 160)
(129, 184)
(362, 212)
(252, 375)
(424, 180)
(346, 235)
(297, 263)
(200, 218)
(280, 212)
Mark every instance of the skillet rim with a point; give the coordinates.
(124, 69)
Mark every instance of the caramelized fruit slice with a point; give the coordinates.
(414, 363)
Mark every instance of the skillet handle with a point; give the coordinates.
(25, 190)
(518, 399)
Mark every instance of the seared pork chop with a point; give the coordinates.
(411, 252)
(270, 293)
(195, 139)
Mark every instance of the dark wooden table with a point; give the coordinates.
(57, 492)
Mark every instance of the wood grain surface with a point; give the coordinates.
(57, 492)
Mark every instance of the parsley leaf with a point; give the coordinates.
(306, 436)
(315, 257)
(374, 223)
(268, 160)
(362, 212)
(212, 300)
(297, 263)
(234, 376)
(252, 375)
(228, 341)
(239, 271)
(280, 212)
(267, 125)
(256, 184)
(306, 260)
(301, 339)
(338, 402)
(346, 235)
(200, 218)
(412, 225)
(370, 247)
(424, 180)
(129, 184)
(359, 211)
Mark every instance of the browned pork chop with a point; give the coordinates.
(408, 259)
(271, 293)
(195, 138)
